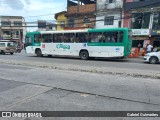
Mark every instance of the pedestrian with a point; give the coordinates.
(149, 48)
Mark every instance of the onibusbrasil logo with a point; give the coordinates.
(59, 46)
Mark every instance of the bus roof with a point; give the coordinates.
(79, 31)
(64, 31)
(108, 29)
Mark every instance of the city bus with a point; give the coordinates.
(87, 43)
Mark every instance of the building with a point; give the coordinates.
(12, 28)
(109, 13)
(143, 16)
(61, 20)
(80, 14)
(45, 26)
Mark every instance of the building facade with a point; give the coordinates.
(80, 14)
(61, 20)
(109, 13)
(142, 16)
(13, 28)
(45, 26)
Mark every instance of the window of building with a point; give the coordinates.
(137, 20)
(5, 23)
(141, 20)
(62, 24)
(146, 20)
(70, 23)
(17, 23)
(7, 32)
(156, 21)
(109, 20)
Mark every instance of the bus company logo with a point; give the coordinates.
(59, 46)
(117, 49)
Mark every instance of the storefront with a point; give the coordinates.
(140, 36)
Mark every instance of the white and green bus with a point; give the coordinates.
(111, 43)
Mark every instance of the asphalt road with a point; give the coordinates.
(115, 63)
(25, 88)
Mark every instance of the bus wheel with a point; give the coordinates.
(84, 55)
(11, 53)
(39, 53)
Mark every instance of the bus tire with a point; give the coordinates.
(84, 55)
(39, 53)
(11, 53)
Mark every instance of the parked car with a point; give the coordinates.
(153, 57)
(7, 47)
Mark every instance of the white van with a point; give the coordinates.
(7, 47)
(153, 57)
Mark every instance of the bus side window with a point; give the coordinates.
(110, 37)
(28, 41)
(120, 37)
(69, 37)
(48, 38)
(96, 37)
(82, 37)
(58, 38)
(37, 38)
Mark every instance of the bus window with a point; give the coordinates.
(96, 37)
(82, 37)
(120, 37)
(37, 38)
(69, 37)
(47, 38)
(28, 41)
(58, 38)
(113, 37)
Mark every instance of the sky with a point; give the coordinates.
(40, 9)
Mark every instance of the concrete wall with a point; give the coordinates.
(61, 17)
(106, 10)
(100, 24)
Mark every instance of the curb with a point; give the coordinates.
(98, 70)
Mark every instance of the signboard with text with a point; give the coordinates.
(140, 32)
